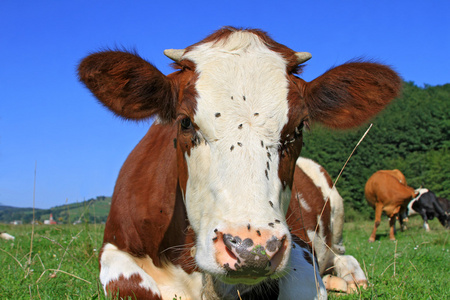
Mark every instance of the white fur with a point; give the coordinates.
(411, 210)
(303, 203)
(348, 268)
(167, 281)
(318, 242)
(228, 189)
(6, 236)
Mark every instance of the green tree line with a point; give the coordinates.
(412, 134)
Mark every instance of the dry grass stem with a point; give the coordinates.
(67, 273)
(13, 258)
(34, 220)
(395, 255)
(328, 198)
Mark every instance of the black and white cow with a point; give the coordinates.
(427, 205)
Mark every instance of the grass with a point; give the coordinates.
(64, 262)
(414, 267)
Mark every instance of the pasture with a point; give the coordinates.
(64, 265)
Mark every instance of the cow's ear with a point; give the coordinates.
(348, 95)
(128, 85)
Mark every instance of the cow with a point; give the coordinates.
(6, 236)
(322, 222)
(427, 206)
(385, 192)
(200, 204)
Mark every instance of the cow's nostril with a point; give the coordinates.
(230, 253)
(231, 241)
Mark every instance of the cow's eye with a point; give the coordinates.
(299, 129)
(186, 123)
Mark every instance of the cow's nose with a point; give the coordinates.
(247, 255)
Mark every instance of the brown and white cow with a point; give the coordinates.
(321, 223)
(202, 200)
(386, 192)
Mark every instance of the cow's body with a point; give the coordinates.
(397, 174)
(6, 236)
(445, 204)
(321, 222)
(201, 205)
(427, 205)
(385, 192)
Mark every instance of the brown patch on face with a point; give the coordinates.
(185, 80)
(291, 142)
(122, 288)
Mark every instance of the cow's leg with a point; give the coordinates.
(401, 217)
(378, 212)
(348, 268)
(392, 228)
(303, 280)
(121, 276)
(425, 220)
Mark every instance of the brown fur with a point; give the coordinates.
(397, 174)
(350, 94)
(120, 288)
(128, 85)
(385, 192)
(301, 220)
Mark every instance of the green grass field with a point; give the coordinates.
(63, 262)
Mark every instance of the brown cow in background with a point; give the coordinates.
(397, 174)
(384, 191)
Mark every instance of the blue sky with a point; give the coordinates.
(47, 117)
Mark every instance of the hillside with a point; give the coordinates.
(412, 135)
(92, 211)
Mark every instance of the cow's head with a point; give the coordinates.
(240, 108)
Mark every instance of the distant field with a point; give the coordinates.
(64, 262)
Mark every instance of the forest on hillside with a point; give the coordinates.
(412, 135)
(88, 211)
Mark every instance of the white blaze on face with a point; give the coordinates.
(229, 181)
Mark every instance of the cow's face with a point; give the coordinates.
(239, 134)
(240, 110)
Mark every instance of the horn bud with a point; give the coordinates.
(302, 57)
(174, 54)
